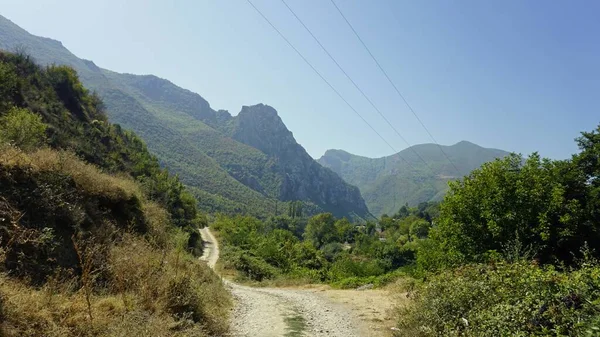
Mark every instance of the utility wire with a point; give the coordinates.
(354, 83)
(324, 80)
(393, 85)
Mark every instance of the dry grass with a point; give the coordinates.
(151, 277)
(137, 301)
(137, 285)
(31, 312)
(87, 177)
(157, 219)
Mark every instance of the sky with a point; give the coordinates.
(520, 76)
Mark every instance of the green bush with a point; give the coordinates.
(252, 267)
(276, 248)
(255, 268)
(420, 229)
(332, 250)
(518, 299)
(547, 205)
(309, 275)
(376, 281)
(22, 128)
(305, 255)
(349, 266)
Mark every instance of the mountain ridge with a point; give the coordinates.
(196, 142)
(389, 182)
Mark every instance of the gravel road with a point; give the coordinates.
(283, 312)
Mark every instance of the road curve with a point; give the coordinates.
(274, 312)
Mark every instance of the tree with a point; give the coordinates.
(386, 222)
(294, 225)
(588, 162)
(276, 248)
(295, 209)
(536, 203)
(70, 90)
(321, 230)
(405, 224)
(403, 212)
(8, 86)
(345, 230)
(370, 228)
(332, 250)
(419, 229)
(306, 256)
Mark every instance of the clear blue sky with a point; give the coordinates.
(516, 75)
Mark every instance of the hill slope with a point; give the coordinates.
(196, 142)
(95, 238)
(389, 182)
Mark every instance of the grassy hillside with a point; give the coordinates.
(388, 183)
(191, 138)
(96, 239)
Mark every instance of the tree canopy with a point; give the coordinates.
(547, 207)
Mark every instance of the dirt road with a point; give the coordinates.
(297, 312)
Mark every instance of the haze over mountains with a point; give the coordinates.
(388, 183)
(229, 163)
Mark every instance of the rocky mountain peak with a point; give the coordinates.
(302, 177)
(261, 127)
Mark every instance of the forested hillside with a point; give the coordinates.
(96, 239)
(390, 182)
(223, 170)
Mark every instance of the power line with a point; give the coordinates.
(354, 83)
(393, 85)
(324, 80)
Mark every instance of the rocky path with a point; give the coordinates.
(284, 312)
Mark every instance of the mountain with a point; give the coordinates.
(221, 158)
(389, 182)
(302, 177)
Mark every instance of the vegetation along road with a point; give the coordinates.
(293, 312)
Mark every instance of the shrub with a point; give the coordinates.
(194, 244)
(183, 300)
(376, 281)
(158, 221)
(504, 299)
(8, 85)
(331, 250)
(420, 229)
(307, 275)
(254, 268)
(305, 255)
(538, 201)
(349, 266)
(169, 280)
(22, 128)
